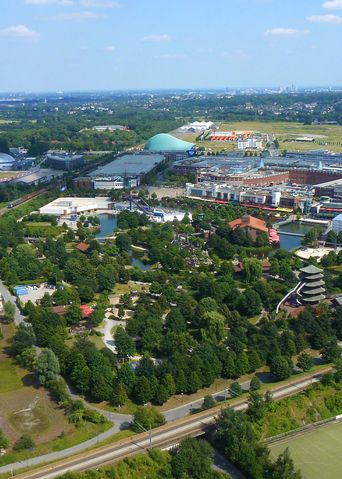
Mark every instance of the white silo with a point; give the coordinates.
(276, 196)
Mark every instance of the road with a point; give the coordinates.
(185, 409)
(7, 296)
(162, 437)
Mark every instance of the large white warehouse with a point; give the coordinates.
(71, 206)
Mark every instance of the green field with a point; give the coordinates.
(316, 453)
(328, 136)
(10, 381)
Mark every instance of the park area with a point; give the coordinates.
(316, 453)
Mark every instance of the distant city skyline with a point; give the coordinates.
(84, 45)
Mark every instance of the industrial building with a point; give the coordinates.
(115, 182)
(337, 224)
(64, 161)
(282, 196)
(38, 176)
(197, 127)
(69, 206)
(102, 128)
(250, 144)
(132, 166)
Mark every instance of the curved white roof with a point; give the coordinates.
(4, 158)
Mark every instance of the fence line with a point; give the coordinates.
(303, 429)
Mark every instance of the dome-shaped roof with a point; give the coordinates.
(4, 158)
(168, 143)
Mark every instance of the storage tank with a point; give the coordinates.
(276, 196)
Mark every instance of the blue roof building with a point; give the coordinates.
(168, 144)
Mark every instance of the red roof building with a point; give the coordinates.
(86, 311)
(83, 247)
(253, 225)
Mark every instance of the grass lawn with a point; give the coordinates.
(10, 174)
(42, 229)
(316, 453)
(64, 441)
(128, 288)
(9, 379)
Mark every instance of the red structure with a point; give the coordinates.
(254, 226)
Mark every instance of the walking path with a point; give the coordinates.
(7, 296)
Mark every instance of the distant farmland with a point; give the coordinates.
(326, 136)
(316, 453)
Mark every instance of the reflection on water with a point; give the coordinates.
(108, 224)
(289, 242)
(136, 261)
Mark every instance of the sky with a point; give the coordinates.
(51, 45)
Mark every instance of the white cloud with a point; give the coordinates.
(19, 31)
(100, 4)
(285, 32)
(164, 37)
(334, 19)
(77, 16)
(63, 3)
(333, 5)
(109, 48)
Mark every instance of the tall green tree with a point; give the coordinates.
(124, 344)
(24, 338)
(47, 367)
(194, 459)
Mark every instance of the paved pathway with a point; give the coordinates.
(7, 296)
(222, 465)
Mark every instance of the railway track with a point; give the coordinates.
(164, 436)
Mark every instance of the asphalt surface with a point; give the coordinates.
(7, 296)
(162, 437)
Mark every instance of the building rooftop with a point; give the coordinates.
(164, 142)
(314, 299)
(249, 222)
(313, 292)
(129, 165)
(311, 270)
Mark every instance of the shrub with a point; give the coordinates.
(23, 443)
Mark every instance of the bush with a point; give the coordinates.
(4, 441)
(236, 389)
(208, 402)
(23, 443)
(93, 416)
(146, 418)
(255, 383)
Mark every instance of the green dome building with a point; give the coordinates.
(164, 143)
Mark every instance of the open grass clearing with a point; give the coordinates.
(66, 439)
(10, 174)
(286, 132)
(316, 453)
(10, 380)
